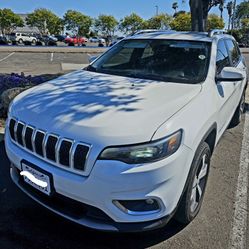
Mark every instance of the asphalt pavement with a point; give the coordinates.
(222, 222)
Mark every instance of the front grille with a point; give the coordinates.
(61, 151)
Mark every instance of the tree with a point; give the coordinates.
(77, 22)
(241, 12)
(199, 12)
(182, 22)
(106, 24)
(9, 21)
(45, 20)
(245, 24)
(161, 21)
(132, 23)
(175, 6)
(230, 13)
(215, 22)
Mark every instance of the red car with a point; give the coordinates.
(76, 40)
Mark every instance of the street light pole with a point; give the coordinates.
(156, 10)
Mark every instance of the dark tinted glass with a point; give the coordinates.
(222, 59)
(233, 51)
(163, 60)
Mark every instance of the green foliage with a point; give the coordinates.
(161, 21)
(9, 21)
(132, 23)
(215, 22)
(45, 20)
(242, 11)
(237, 34)
(77, 22)
(182, 22)
(106, 24)
(245, 24)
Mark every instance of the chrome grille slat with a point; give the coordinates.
(23, 135)
(15, 129)
(49, 142)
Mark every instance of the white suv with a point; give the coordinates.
(125, 144)
(22, 38)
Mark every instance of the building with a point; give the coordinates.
(26, 28)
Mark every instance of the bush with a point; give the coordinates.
(11, 85)
(15, 80)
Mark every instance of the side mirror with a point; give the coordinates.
(230, 74)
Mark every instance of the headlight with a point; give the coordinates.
(144, 153)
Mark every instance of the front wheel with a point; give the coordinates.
(192, 198)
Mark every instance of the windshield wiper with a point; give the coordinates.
(146, 76)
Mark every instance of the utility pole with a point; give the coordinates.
(156, 10)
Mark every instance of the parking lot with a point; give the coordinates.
(221, 223)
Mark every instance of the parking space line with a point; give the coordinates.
(239, 225)
(7, 57)
(52, 57)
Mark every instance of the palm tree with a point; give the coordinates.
(230, 13)
(175, 6)
(221, 8)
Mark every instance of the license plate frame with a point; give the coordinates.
(39, 174)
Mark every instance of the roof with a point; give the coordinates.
(173, 35)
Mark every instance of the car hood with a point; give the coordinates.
(101, 108)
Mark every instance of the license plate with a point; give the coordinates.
(36, 179)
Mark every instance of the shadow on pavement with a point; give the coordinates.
(25, 224)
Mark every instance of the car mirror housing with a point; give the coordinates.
(230, 74)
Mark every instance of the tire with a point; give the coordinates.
(192, 198)
(20, 41)
(238, 113)
(34, 41)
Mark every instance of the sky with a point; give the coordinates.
(117, 8)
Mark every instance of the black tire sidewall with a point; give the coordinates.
(184, 214)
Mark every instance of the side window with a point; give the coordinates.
(233, 52)
(222, 59)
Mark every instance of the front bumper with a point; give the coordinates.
(83, 214)
(108, 181)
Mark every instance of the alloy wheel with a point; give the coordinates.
(199, 183)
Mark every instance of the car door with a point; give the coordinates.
(227, 92)
(237, 61)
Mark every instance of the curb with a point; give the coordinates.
(52, 49)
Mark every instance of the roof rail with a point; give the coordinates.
(213, 32)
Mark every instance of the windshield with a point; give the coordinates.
(164, 60)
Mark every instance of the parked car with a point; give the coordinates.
(76, 40)
(94, 39)
(60, 38)
(126, 143)
(22, 38)
(47, 40)
(3, 40)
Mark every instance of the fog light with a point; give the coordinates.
(138, 207)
